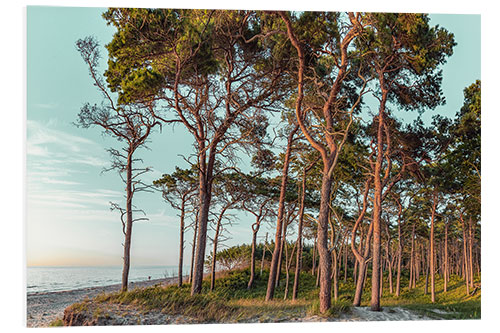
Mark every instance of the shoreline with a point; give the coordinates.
(44, 307)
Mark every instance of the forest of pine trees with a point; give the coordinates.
(300, 120)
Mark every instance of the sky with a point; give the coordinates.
(68, 220)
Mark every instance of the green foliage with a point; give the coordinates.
(56, 323)
(408, 51)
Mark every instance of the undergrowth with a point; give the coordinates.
(231, 301)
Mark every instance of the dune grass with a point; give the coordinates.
(231, 301)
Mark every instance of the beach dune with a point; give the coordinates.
(45, 307)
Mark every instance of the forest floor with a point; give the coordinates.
(231, 302)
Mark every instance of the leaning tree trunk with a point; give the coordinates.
(279, 224)
(128, 227)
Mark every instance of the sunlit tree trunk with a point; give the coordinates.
(128, 227)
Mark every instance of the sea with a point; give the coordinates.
(61, 278)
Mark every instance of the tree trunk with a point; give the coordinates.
(128, 227)
(279, 224)
(335, 276)
(325, 262)
(314, 257)
(377, 209)
(427, 276)
(465, 269)
(298, 260)
(214, 257)
(195, 234)
(263, 256)
(181, 244)
(411, 257)
(201, 241)
(389, 258)
(362, 269)
(345, 264)
(471, 244)
(466, 266)
(400, 254)
(288, 264)
(446, 272)
(255, 229)
(431, 248)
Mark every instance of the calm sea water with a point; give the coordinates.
(45, 279)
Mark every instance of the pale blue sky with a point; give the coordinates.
(68, 217)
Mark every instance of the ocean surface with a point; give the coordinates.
(46, 279)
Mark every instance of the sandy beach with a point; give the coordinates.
(43, 308)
